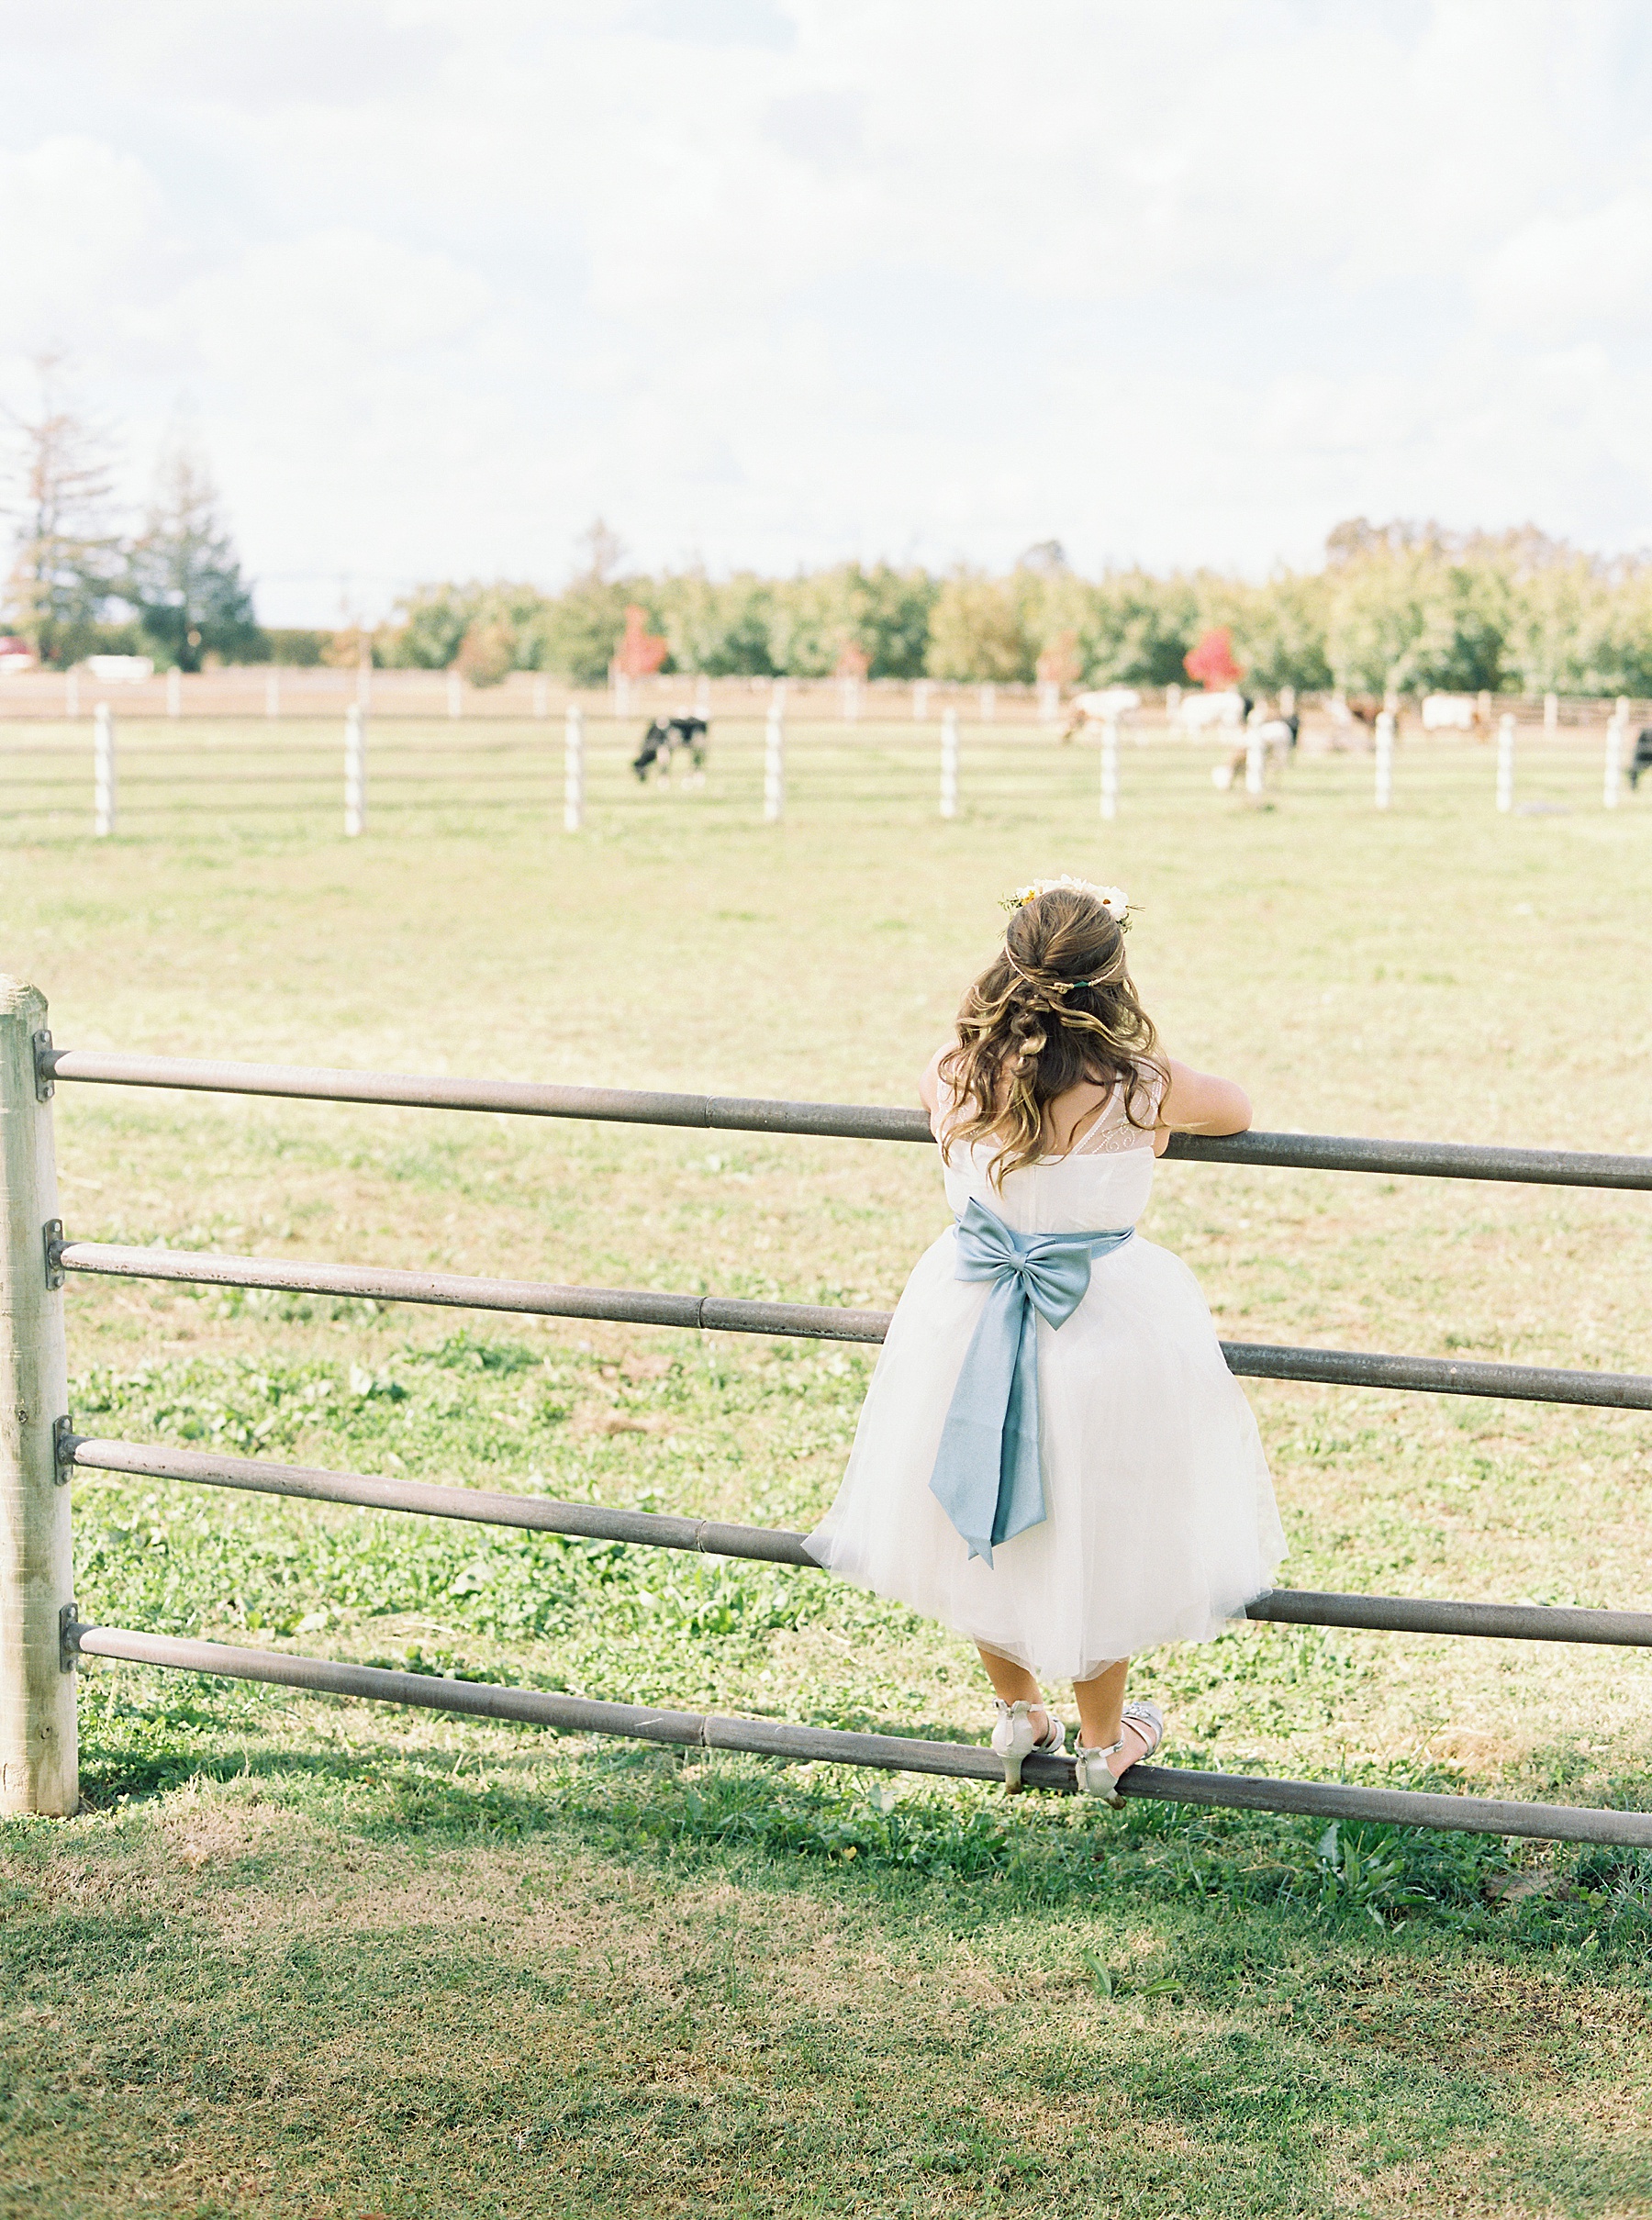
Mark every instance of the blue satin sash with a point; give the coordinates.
(987, 1476)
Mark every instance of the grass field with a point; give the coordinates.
(300, 1957)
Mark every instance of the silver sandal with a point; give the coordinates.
(1094, 1776)
(1013, 1739)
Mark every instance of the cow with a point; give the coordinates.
(1224, 711)
(1277, 738)
(661, 742)
(1642, 758)
(1105, 704)
(1450, 713)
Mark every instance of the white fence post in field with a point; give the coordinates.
(1551, 713)
(1049, 701)
(949, 762)
(773, 763)
(174, 692)
(272, 694)
(1385, 759)
(455, 693)
(1255, 759)
(1616, 732)
(920, 694)
(1505, 761)
(39, 1764)
(1110, 768)
(355, 772)
(365, 683)
(574, 769)
(103, 770)
(71, 693)
(702, 696)
(989, 704)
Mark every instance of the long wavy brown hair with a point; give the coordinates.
(1056, 1005)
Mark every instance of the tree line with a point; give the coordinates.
(1407, 607)
(1410, 608)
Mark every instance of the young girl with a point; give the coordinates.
(1053, 1458)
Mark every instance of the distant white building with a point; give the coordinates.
(118, 670)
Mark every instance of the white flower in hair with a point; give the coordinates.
(1113, 899)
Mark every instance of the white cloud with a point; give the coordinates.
(80, 224)
(775, 280)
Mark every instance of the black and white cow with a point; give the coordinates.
(665, 737)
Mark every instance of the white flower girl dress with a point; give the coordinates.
(1160, 1522)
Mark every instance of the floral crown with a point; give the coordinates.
(1113, 899)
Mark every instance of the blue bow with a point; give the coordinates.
(987, 1476)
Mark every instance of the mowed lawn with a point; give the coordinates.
(305, 1957)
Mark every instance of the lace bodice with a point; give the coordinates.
(1102, 1181)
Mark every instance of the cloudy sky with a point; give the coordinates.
(773, 282)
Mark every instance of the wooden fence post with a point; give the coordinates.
(1505, 761)
(774, 764)
(1110, 768)
(1385, 759)
(574, 769)
(1616, 735)
(355, 773)
(103, 770)
(39, 1763)
(949, 762)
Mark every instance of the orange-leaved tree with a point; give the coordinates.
(1212, 662)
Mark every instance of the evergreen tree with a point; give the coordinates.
(184, 574)
(66, 560)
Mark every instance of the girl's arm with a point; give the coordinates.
(1198, 1102)
(929, 1087)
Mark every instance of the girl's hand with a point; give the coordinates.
(1198, 1102)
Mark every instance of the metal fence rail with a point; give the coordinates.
(775, 1546)
(851, 1121)
(38, 1772)
(814, 1321)
(830, 1745)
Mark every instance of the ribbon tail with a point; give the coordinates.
(968, 1473)
(1021, 1498)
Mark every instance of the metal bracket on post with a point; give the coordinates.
(65, 1442)
(45, 1084)
(69, 1637)
(51, 1234)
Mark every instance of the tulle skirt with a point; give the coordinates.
(1161, 1522)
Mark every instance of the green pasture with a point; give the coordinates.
(302, 1958)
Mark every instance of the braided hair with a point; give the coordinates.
(1055, 1007)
